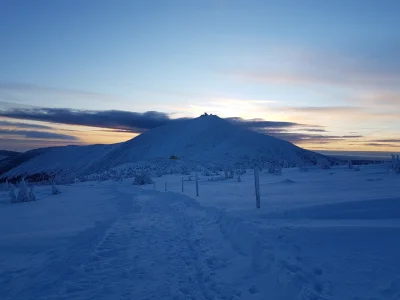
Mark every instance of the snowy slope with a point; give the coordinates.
(322, 234)
(204, 139)
(207, 138)
(326, 235)
(68, 159)
(6, 154)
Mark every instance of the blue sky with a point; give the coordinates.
(327, 65)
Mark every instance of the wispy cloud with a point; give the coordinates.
(305, 138)
(23, 125)
(20, 94)
(323, 109)
(380, 145)
(300, 66)
(123, 122)
(259, 123)
(113, 119)
(387, 141)
(37, 134)
(18, 144)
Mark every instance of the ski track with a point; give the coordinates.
(168, 246)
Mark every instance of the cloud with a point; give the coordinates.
(20, 94)
(387, 141)
(23, 125)
(12, 86)
(113, 119)
(352, 136)
(38, 134)
(259, 123)
(313, 130)
(298, 138)
(299, 66)
(324, 109)
(380, 145)
(121, 120)
(15, 144)
(124, 121)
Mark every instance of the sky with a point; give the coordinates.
(324, 75)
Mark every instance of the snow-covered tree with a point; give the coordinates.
(31, 194)
(142, 179)
(395, 164)
(323, 163)
(228, 174)
(13, 194)
(55, 190)
(274, 167)
(350, 164)
(23, 193)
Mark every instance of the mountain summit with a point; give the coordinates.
(206, 139)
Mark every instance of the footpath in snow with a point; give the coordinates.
(315, 238)
(156, 246)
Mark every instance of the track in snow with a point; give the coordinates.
(156, 249)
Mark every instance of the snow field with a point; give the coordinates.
(322, 234)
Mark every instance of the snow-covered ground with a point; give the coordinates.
(322, 234)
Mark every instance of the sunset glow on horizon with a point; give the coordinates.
(86, 72)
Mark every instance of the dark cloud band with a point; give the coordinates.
(125, 121)
(38, 134)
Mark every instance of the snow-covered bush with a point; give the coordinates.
(185, 170)
(4, 186)
(350, 164)
(142, 179)
(55, 190)
(240, 171)
(303, 167)
(395, 164)
(323, 163)
(303, 164)
(31, 195)
(217, 178)
(23, 193)
(274, 168)
(13, 194)
(206, 173)
(228, 174)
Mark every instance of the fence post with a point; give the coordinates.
(257, 186)
(182, 184)
(165, 186)
(197, 185)
(154, 186)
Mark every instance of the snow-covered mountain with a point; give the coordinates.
(204, 139)
(6, 154)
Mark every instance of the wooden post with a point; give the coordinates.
(197, 186)
(257, 186)
(154, 186)
(182, 184)
(165, 186)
